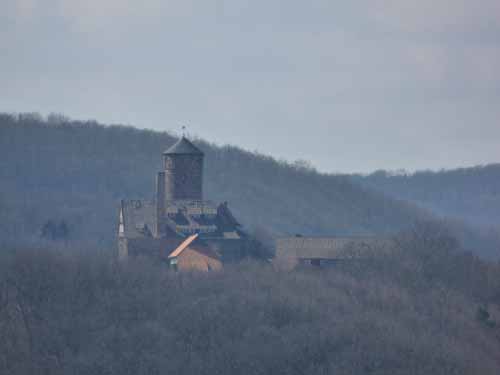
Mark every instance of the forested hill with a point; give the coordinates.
(471, 194)
(77, 172)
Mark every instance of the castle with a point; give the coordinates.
(179, 226)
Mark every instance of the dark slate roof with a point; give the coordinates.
(225, 218)
(203, 216)
(139, 218)
(183, 146)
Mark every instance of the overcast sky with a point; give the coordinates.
(352, 86)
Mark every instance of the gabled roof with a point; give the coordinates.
(225, 219)
(204, 217)
(183, 246)
(183, 146)
(139, 218)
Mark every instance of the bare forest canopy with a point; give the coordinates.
(426, 309)
(63, 176)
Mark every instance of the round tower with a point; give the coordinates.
(183, 169)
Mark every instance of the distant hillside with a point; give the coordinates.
(78, 171)
(470, 194)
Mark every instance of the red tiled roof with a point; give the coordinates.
(183, 246)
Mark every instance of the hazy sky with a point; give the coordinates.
(349, 85)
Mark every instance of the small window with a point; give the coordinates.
(316, 262)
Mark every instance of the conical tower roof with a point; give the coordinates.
(183, 146)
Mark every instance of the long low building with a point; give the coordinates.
(317, 251)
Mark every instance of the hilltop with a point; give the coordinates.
(77, 172)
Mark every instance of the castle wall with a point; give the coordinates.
(158, 248)
(122, 248)
(191, 259)
(230, 250)
(160, 203)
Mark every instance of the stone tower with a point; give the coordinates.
(160, 227)
(182, 175)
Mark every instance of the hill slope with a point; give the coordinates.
(471, 194)
(77, 172)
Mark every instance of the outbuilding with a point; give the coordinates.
(194, 254)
